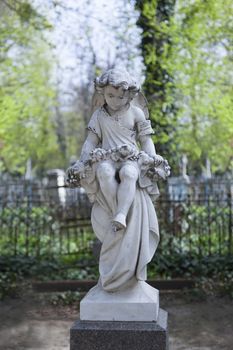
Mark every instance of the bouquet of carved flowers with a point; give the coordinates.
(123, 153)
(156, 167)
(98, 154)
(117, 154)
(75, 174)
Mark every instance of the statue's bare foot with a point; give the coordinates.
(119, 222)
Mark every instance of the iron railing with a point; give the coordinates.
(38, 220)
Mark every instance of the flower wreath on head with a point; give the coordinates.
(126, 81)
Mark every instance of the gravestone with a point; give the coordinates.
(122, 310)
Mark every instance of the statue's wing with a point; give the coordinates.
(141, 102)
(97, 101)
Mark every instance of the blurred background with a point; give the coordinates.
(51, 51)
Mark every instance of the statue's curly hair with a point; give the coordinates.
(117, 77)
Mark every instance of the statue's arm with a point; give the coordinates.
(147, 145)
(144, 132)
(161, 166)
(89, 145)
(162, 169)
(76, 172)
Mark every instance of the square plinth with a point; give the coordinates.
(140, 302)
(120, 335)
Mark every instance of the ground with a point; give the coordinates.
(30, 322)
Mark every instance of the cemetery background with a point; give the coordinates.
(48, 65)
(46, 232)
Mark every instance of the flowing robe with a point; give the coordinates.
(125, 253)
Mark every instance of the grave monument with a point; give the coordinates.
(119, 169)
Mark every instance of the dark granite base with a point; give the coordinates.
(105, 335)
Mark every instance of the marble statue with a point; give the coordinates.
(119, 170)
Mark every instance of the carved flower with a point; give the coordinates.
(158, 160)
(145, 160)
(98, 154)
(127, 152)
(114, 155)
(161, 171)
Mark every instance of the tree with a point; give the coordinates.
(84, 42)
(186, 49)
(92, 42)
(26, 96)
(156, 44)
(201, 64)
(47, 78)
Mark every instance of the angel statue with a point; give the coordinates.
(119, 170)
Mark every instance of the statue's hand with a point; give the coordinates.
(75, 173)
(145, 160)
(158, 160)
(162, 168)
(77, 168)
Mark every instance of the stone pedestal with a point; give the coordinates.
(120, 335)
(139, 302)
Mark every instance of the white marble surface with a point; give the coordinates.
(139, 302)
(119, 170)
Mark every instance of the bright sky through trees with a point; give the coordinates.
(52, 50)
(86, 33)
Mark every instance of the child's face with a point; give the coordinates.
(116, 98)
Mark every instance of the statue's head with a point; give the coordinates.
(117, 81)
(117, 77)
(117, 87)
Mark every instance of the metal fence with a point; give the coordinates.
(202, 226)
(37, 220)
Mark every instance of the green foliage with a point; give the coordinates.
(14, 270)
(8, 284)
(203, 229)
(156, 44)
(65, 298)
(187, 52)
(212, 274)
(37, 231)
(26, 93)
(47, 268)
(186, 265)
(200, 62)
(25, 13)
(20, 229)
(199, 248)
(23, 266)
(74, 131)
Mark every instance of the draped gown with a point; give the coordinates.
(124, 254)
